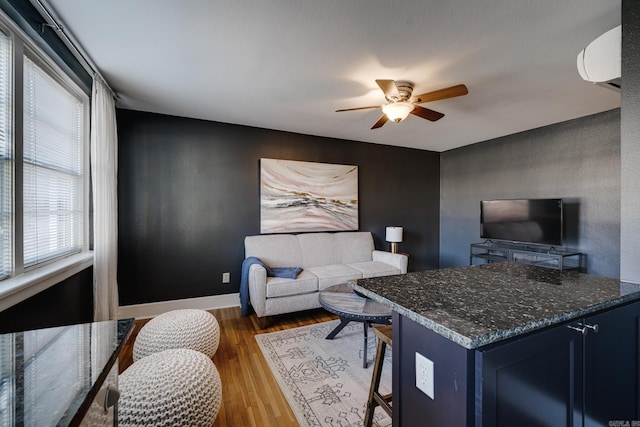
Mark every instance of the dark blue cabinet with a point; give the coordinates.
(612, 368)
(565, 375)
(533, 381)
(582, 374)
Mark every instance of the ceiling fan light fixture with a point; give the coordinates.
(398, 111)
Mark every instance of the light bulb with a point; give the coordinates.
(398, 111)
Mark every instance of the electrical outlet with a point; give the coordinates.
(424, 375)
(226, 277)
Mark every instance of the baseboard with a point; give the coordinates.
(142, 311)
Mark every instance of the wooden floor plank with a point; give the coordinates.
(251, 396)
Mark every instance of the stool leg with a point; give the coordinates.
(375, 383)
(366, 339)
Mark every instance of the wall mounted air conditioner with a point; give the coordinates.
(599, 62)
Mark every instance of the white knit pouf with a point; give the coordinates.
(190, 328)
(179, 387)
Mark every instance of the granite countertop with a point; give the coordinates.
(50, 376)
(482, 304)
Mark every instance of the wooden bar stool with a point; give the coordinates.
(375, 398)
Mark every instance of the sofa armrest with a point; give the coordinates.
(258, 289)
(397, 260)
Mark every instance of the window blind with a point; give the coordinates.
(6, 159)
(53, 167)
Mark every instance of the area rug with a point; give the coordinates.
(323, 380)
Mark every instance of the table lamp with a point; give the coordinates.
(394, 236)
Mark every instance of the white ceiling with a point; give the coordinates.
(289, 64)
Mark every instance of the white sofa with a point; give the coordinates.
(326, 259)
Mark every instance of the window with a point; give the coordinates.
(6, 159)
(44, 139)
(43, 159)
(52, 183)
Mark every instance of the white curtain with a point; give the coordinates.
(104, 178)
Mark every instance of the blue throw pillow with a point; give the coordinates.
(284, 272)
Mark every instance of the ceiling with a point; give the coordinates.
(289, 64)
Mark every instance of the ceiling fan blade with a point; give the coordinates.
(381, 121)
(358, 108)
(437, 95)
(389, 88)
(425, 113)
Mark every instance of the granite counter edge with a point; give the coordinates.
(472, 343)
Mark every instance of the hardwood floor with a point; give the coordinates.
(250, 394)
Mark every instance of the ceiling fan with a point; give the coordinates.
(401, 103)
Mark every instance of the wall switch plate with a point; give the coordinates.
(226, 277)
(424, 375)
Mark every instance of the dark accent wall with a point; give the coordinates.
(630, 143)
(578, 160)
(188, 193)
(66, 303)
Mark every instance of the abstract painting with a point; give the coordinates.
(305, 196)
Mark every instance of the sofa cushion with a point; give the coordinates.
(279, 287)
(319, 249)
(279, 250)
(329, 275)
(374, 269)
(355, 246)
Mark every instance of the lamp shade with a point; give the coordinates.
(398, 111)
(394, 234)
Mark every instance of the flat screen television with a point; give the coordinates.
(537, 221)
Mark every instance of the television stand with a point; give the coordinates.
(542, 256)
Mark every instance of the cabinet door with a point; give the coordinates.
(611, 367)
(533, 381)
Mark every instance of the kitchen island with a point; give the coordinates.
(512, 344)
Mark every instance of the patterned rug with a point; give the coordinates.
(323, 380)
